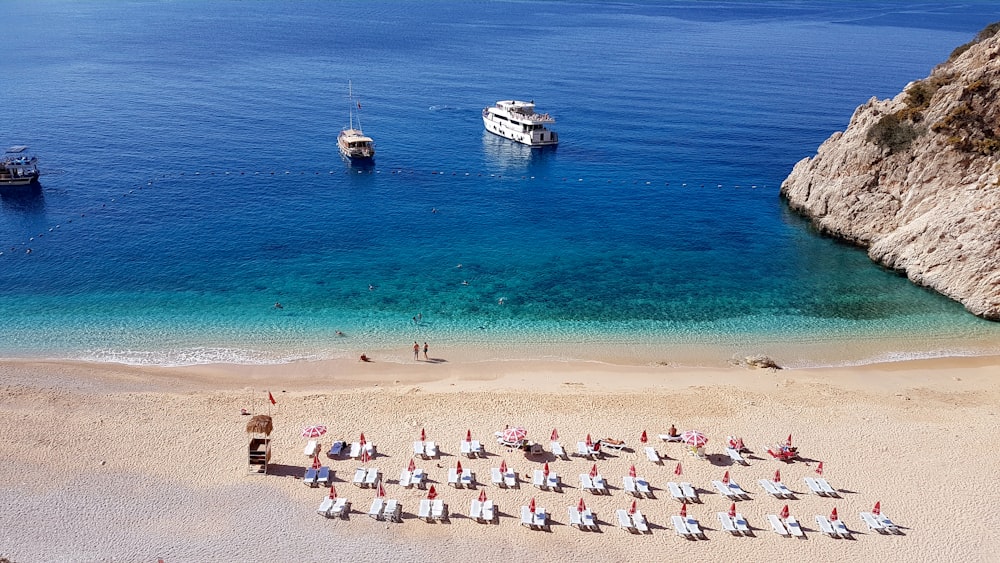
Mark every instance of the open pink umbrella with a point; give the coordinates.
(677, 470)
(362, 441)
(555, 435)
(545, 469)
(381, 490)
(878, 508)
(531, 505)
(581, 506)
(593, 471)
(694, 438)
(777, 476)
(468, 435)
(423, 435)
(732, 510)
(725, 478)
(314, 431)
(632, 508)
(432, 493)
(644, 438)
(833, 514)
(411, 466)
(515, 434)
(333, 491)
(482, 495)
(631, 472)
(316, 463)
(503, 466)
(589, 442)
(684, 510)
(784, 512)
(819, 468)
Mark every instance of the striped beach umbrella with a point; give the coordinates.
(694, 438)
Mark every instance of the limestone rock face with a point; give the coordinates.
(916, 180)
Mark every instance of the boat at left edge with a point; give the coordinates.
(18, 168)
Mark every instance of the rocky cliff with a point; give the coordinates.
(916, 179)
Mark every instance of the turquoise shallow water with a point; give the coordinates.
(192, 181)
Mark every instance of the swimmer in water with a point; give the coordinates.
(277, 305)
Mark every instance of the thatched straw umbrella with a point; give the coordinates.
(260, 424)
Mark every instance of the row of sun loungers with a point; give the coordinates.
(537, 520)
(589, 452)
(433, 510)
(471, 449)
(595, 485)
(582, 520)
(356, 449)
(504, 480)
(636, 486)
(819, 486)
(880, 523)
(557, 450)
(483, 512)
(466, 479)
(388, 510)
(425, 450)
(634, 523)
(334, 508)
(409, 479)
(732, 491)
(545, 482)
(683, 492)
(788, 527)
(687, 527)
(736, 456)
(777, 489)
(833, 528)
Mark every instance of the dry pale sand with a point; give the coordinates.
(105, 462)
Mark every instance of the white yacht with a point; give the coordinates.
(17, 168)
(353, 143)
(519, 122)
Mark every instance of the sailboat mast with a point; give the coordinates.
(350, 98)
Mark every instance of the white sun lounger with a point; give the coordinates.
(527, 518)
(777, 525)
(825, 486)
(372, 477)
(736, 488)
(439, 511)
(888, 524)
(418, 449)
(325, 506)
(323, 476)
(669, 438)
(477, 449)
(583, 451)
(680, 527)
(430, 450)
(552, 482)
(675, 491)
(404, 479)
(355, 452)
(497, 478)
(735, 455)
(489, 512)
(575, 518)
(616, 446)
(639, 521)
(628, 485)
(311, 448)
(742, 526)
(340, 508)
(376, 509)
(814, 487)
(725, 490)
(600, 486)
(359, 477)
(653, 455)
(468, 479)
(694, 528)
(783, 490)
(769, 487)
(336, 449)
(589, 522)
(643, 486)
(727, 523)
(586, 483)
(841, 528)
(689, 493)
(825, 526)
(625, 521)
(465, 448)
(794, 528)
(453, 478)
(310, 477)
(425, 510)
(418, 477)
(476, 510)
(510, 479)
(392, 511)
(557, 450)
(538, 479)
(873, 524)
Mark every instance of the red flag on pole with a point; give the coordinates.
(833, 514)
(819, 468)
(503, 466)
(531, 505)
(581, 506)
(412, 466)
(468, 435)
(555, 435)
(432, 493)
(270, 397)
(878, 508)
(677, 470)
(732, 510)
(633, 508)
(593, 471)
(784, 512)
(684, 510)
(644, 438)
(777, 476)
(423, 435)
(631, 472)
(545, 469)
(725, 478)
(458, 467)
(482, 495)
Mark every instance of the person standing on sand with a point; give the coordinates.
(416, 350)
(425, 351)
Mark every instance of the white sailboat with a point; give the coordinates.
(353, 142)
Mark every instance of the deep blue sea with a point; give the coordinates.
(191, 180)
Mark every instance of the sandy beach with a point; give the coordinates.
(107, 462)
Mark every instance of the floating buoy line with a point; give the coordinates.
(29, 245)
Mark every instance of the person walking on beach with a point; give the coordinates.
(425, 351)
(416, 350)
